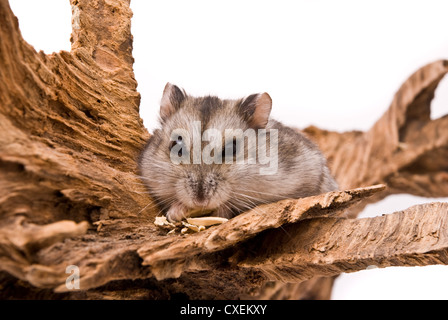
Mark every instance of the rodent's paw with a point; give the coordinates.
(176, 212)
(223, 212)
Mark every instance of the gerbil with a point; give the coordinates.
(226, 189)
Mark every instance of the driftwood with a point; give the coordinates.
(70, 133)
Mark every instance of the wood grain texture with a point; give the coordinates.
(245, 226)
(349, 245)
(405, 149)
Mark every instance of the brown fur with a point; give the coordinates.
(227, 189)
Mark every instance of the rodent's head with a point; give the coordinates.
(181, 160)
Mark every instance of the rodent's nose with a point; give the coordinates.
(200, 192)
(203, 188)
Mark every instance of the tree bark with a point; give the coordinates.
(70, 134)
(404, 149)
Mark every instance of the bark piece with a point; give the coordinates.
(70, 131)
(247, 225)
(417, 236)
(405, 149)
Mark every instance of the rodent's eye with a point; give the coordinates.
(230, 149)
(179, 143)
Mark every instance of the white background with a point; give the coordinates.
(333, 64)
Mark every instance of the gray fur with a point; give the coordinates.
(228, 189)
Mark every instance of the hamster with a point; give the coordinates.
(189, 171)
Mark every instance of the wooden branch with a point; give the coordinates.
(70, 128)
(417, 236)
(303, 246)
(102, 31)
(19, 242)
(134, 242)
(405, 149)
(246, 226)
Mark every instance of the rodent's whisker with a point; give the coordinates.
(166, 202)
(148, 205)
(248, 204)
(267, 194)
(245, 205)
(249, 198)
(226, 205)
(231, 207)
(169, 200)
(257, 211)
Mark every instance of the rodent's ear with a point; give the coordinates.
(171, 101)
(256, 109)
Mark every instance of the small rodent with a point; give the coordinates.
(293, 166)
